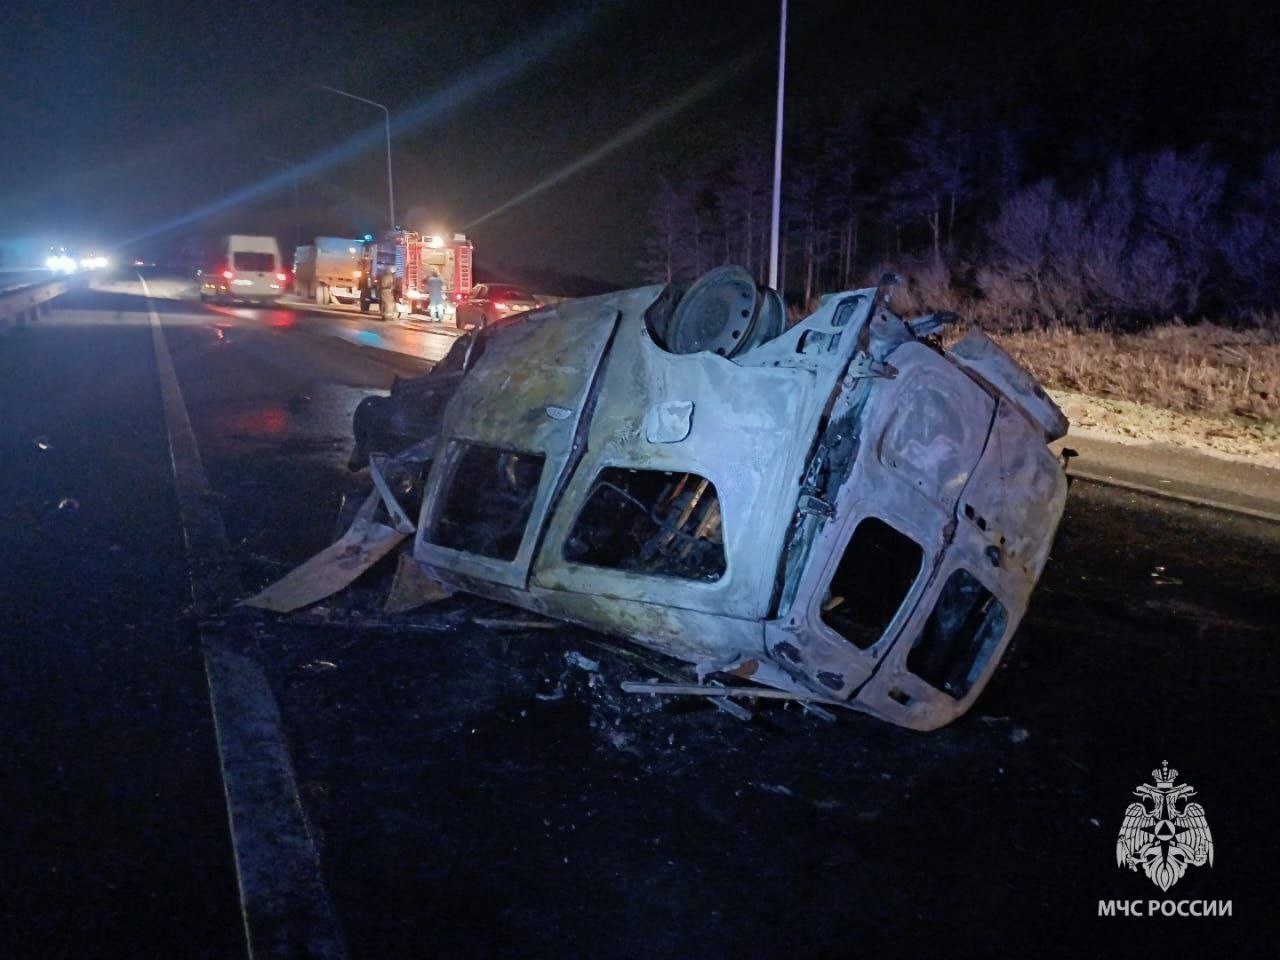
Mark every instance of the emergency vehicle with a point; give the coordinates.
(414, 257)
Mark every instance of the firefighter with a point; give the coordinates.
(435, 297)
(387, 293)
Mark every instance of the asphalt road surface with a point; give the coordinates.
(478, 792)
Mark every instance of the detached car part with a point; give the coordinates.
(844, 510)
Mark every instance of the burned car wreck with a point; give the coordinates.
(843, 511)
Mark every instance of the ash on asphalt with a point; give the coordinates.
(481, 793)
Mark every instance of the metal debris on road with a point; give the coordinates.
(333, 568)
(575, 659)
(412, 587)
(713, 690)
(495, 623)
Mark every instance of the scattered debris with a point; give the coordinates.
(1162, 579)
(777, 788)
(320, 617)
(575, 659)
(515, 624)
(556, 694)
(318, 666)
(711, 690)
(1019, 734)
(622, 741)
(413, 587)
(42, 443)
(335, 567)
(69, 504)
(813, 710)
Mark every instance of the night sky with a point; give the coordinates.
(131, 124)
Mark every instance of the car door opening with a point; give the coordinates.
(489, 499)
(650, 521)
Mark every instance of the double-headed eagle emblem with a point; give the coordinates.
(1164, 833)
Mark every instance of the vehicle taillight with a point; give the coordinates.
(281, 277)
(228, 275)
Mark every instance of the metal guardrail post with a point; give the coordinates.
(27, 304)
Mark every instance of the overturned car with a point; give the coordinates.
(844, 511)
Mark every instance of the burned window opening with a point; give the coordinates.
(874, 576)
(650, 521)
(815, 341)
(965, 626)
(845, 311)
(488, 502)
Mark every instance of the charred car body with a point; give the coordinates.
(842, 510)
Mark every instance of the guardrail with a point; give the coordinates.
(26, 304)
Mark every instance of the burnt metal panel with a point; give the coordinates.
(526, 393)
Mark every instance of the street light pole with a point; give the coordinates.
(777, 153)
(391, 190)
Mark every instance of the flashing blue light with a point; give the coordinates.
(368, 237)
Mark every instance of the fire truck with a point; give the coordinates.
(415, 257)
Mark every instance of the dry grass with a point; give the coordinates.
(1201, 369)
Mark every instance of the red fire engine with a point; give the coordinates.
(414, 257)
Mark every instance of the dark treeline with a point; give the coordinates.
(1120, 209)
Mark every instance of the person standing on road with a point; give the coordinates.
(435, 297)
(387, 294)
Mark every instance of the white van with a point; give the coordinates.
(244, 268)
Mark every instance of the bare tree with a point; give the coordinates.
(844, 205)
(668, 232)
(1180, 199)
(931, 185)
(1251, 246)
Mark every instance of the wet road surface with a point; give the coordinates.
(478, 793)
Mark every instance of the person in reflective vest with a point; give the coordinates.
(435, 297)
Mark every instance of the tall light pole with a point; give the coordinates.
(391, 190)
(777, 153)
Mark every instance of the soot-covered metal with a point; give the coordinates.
(843, 510)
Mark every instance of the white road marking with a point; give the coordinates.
(283, 901)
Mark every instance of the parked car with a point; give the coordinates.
(491, 303)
